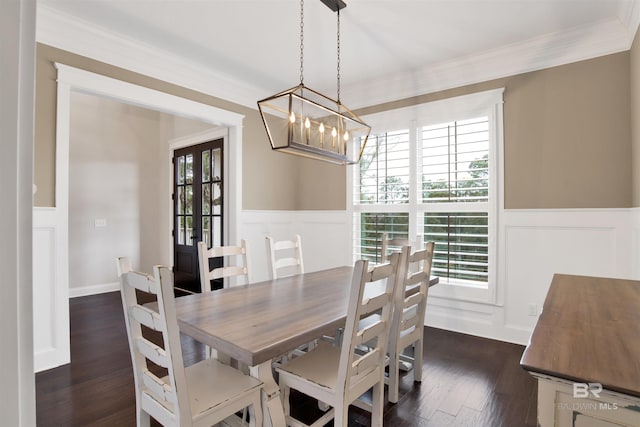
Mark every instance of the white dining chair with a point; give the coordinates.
(338, 375)
(285, 259)
(241, 270)
(285, 256)
(407, 326)
(202, 394)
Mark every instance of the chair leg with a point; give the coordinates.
(143, 419)
(394, 367)
(377, 404)
(284, 395)
(341, 416)
(255, 412)
(417, 361)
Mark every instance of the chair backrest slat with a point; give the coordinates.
(159, 388)
(287, 262)
(285, 256)
(410, 321)
(231, 271)
(380, 272)
(373, 304)
(143, 282)
(219, 251)
(152, 352)
(366, 363)
(370, 332)
(413, 300)
(239, 270)
(147, 317)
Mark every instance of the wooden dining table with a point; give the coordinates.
(256, 323)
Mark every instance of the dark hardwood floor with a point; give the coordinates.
(468, 381)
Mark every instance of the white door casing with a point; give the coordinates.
(57, 285)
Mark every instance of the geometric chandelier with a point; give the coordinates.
(304, 122)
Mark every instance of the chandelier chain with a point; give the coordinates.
(338, 67)
(301, 41)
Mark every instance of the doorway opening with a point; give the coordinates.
(75, 80)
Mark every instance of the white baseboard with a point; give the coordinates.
(83, 291)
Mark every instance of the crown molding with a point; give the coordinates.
(68, 33)
(630, 18)
(535, 54)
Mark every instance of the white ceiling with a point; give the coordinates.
(390, 49)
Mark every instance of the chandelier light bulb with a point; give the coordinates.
(321, 128)
(346, 136)
(292, 117)
(334, 132)
(307, 123)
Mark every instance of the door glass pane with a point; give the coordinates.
(189, 199)
(180, 208)
(217, 163)
(180, 171)
(206, 231)
(216, 231)
(180, 230)
(206, 166)
(217, 198)
(189, 169)
(206, 198)
(188, 230)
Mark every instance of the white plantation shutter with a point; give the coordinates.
(455, 177)
(427, 172)
(384, 169)
(455, 161)
(461, 244)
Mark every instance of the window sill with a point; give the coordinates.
(462, 292)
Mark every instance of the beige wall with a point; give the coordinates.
(567, 138)
(270, 180)
(119, 172)
(635, 116)
(567, 134)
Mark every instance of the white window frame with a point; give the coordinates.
(488, 103)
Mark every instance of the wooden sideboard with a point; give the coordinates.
(585, 353)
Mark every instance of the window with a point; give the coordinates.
(430, 171)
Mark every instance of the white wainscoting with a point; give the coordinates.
(326, 240)
(533, 245)
(635, 250)
(50, 292)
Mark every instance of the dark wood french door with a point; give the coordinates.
(198, 202)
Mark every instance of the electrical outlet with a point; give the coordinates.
(100, 222)
(533, 309)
